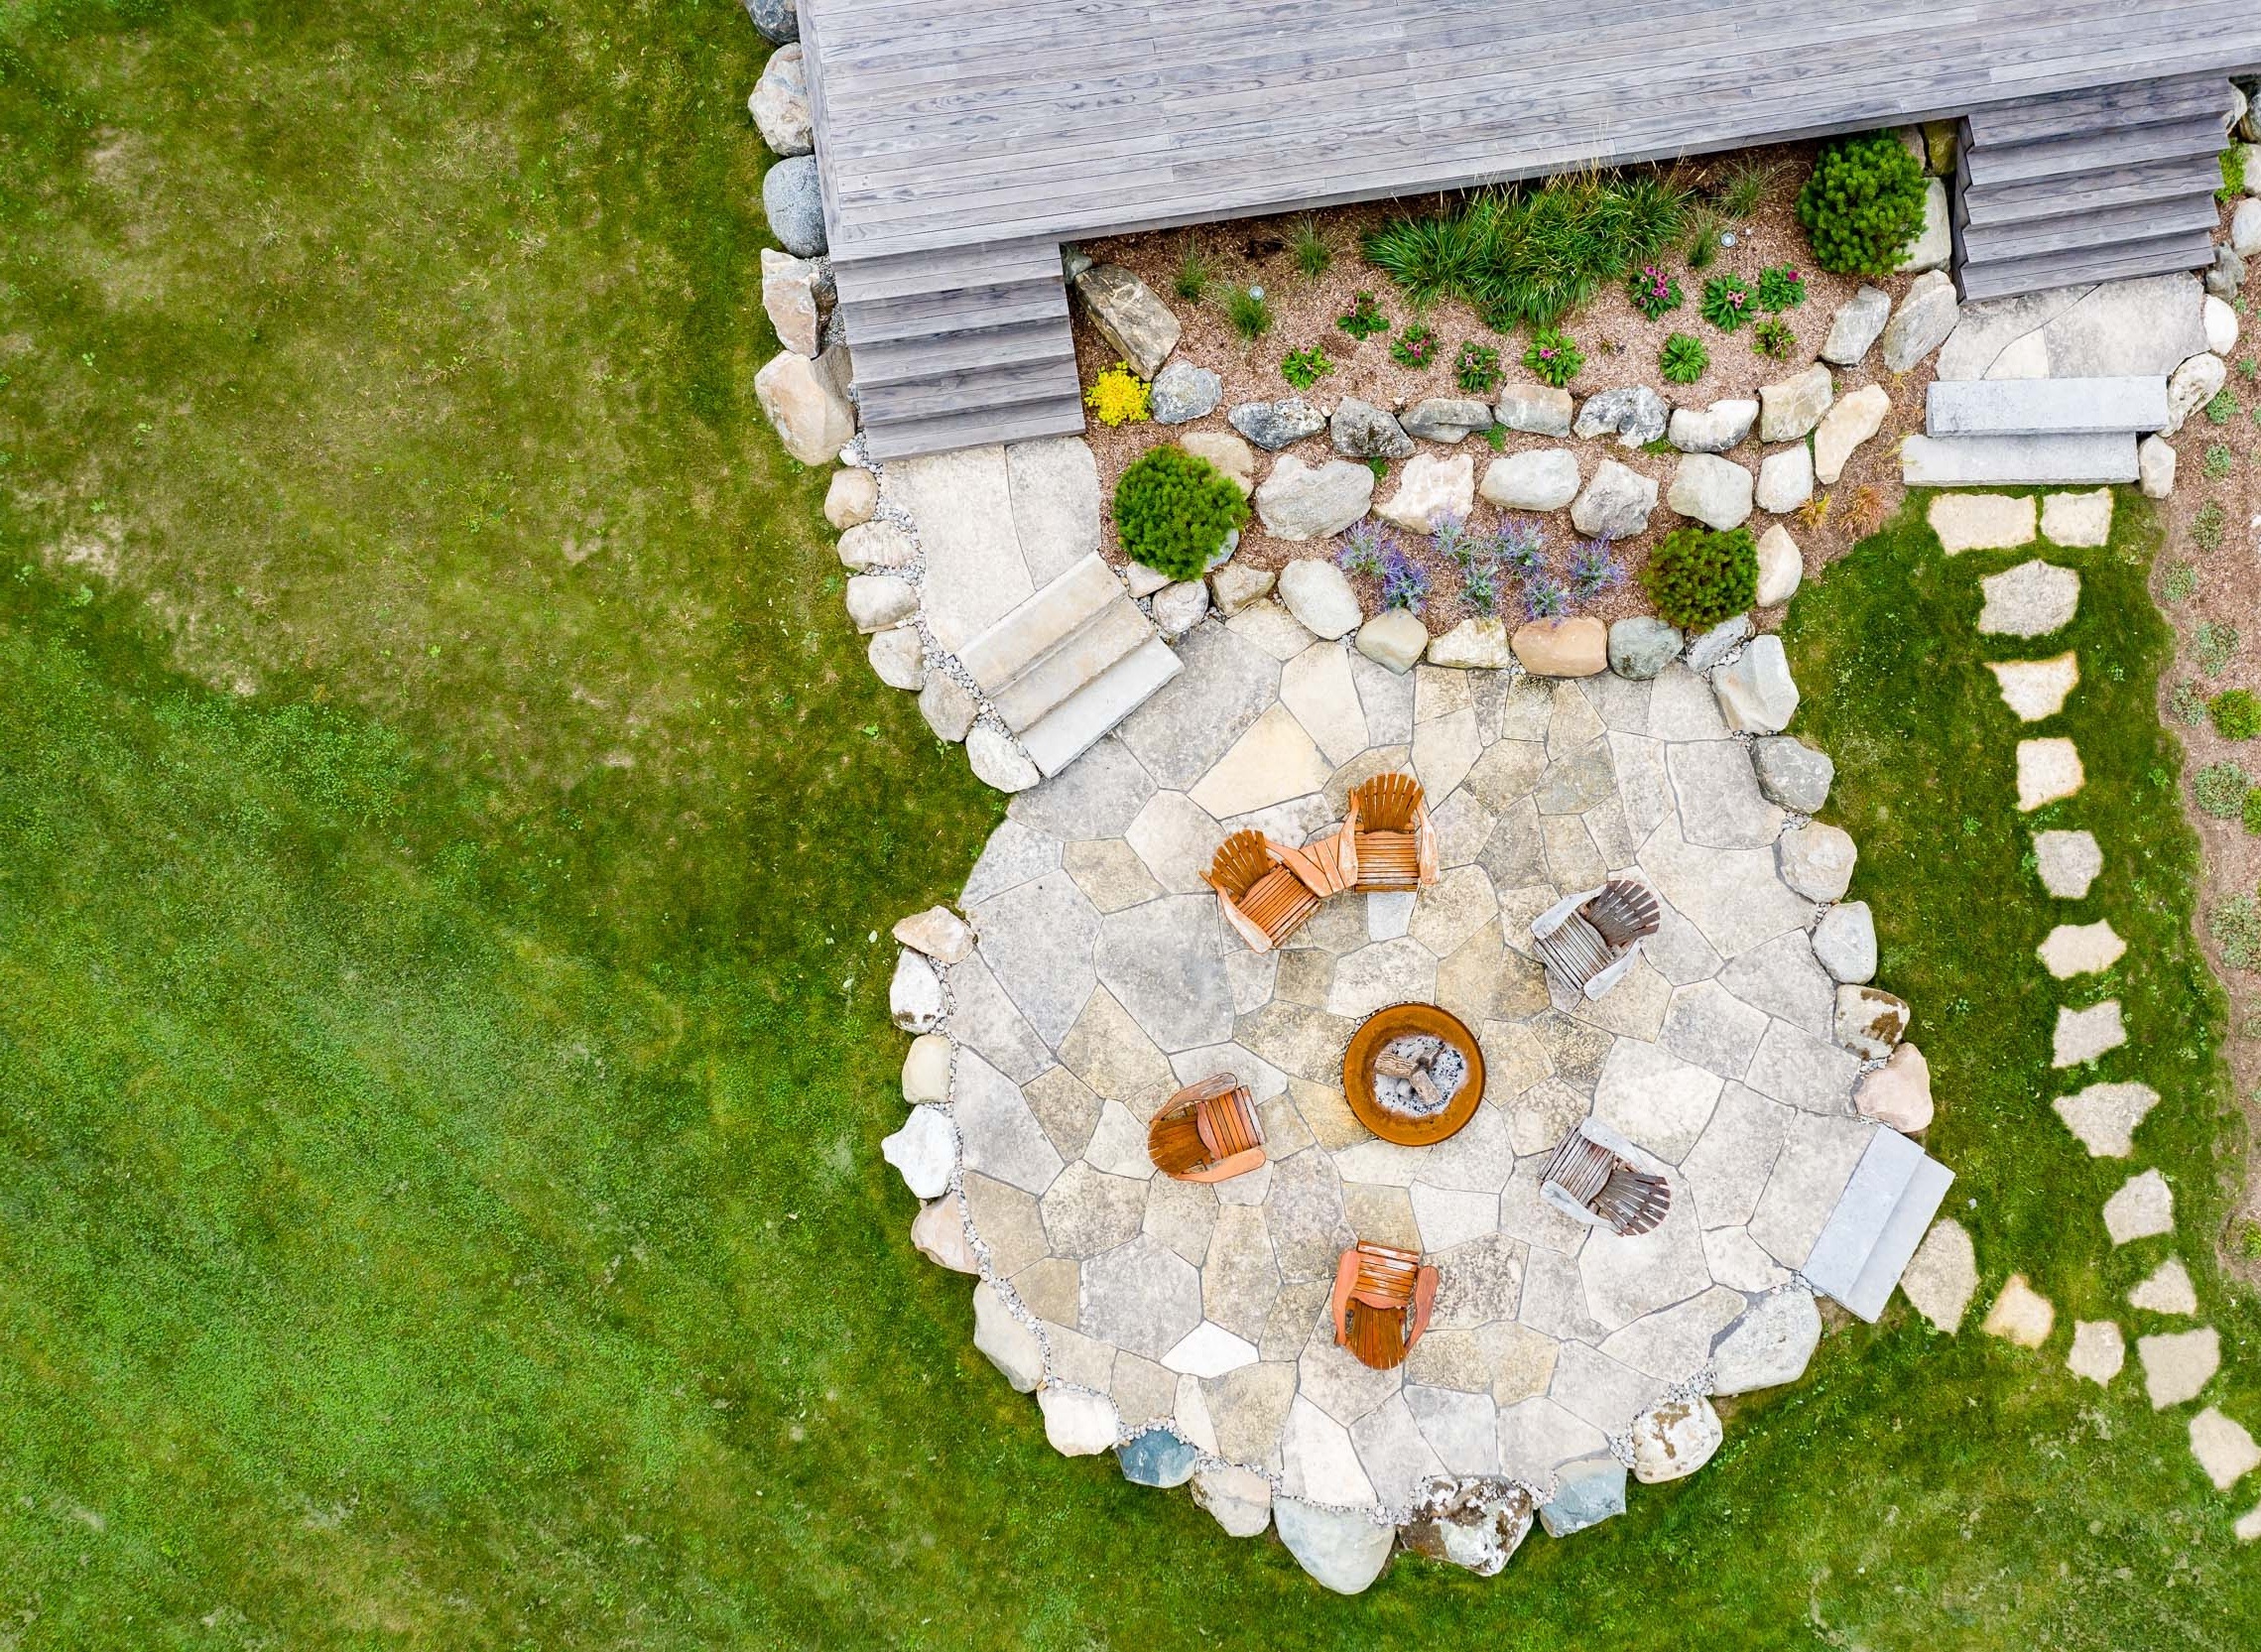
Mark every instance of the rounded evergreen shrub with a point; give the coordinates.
(1174, 509)
(2236, 713)
(1698, 577)
(1863, 206)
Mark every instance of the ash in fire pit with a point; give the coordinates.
(1417, 1075)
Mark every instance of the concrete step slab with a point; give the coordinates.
(2046, 407)
(1039, 624)
(1078, 659)
(2017, 460)
(1911, 1220)
(1862, 1211)
(1078, 722)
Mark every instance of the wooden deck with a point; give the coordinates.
(946, 123)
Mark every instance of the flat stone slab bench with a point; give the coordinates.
(2018, 461)
(2047, 407)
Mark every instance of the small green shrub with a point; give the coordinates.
(1652, 291)
(1726, 303)
(1864, 205)
(2207, 529)
(1554, 357)
(2219, 790)
(2235, 926)
(1172, 511)
(2253, 812)
(1250, 313)
(2223, 408)
(2249, 1240)
(2218, 462)
(1773, 339)
(1477, 368)
(1698, 577)
(2181, 582)
(1683, 359)
(1363, 318)
(1309, 248)
(1196, 273)
(2236, 713)
(1496, 435)
(2232, 173)
(1305, 368)
(1414, 347)
(1781, 288)
(2215, 645)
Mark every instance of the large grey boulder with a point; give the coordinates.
(2225, 276)
(2192, 386)
(1319, 596)
(1277, 425)
(1786, 480)
(1790, 408)
(793, 202)
(1642, 646)
(1535, 409)
(778, 20)
(1845, 942)
(1715, 428)
(1360, 429)
(1448, 418)
(1707, 648)
(1675, 1437)
(1340, 1547)
(1926, 315)
(1935, 242)
(1714, 492)
(1183, 392)
(1129, 317)
(1756, 695)
(1857, 324)
(1769, 1345)
(1305, 501)
(1816, 859)
(796, 295)
(1539, 479)
(879, 602)
(1476, 1524)
(998, 762)
(1615, 504)
(807, 399)
(1634, 413)
(1587, 1492)
(2246, 228)
(1157, 1456)
(780, 104)
(1792, 773)
(948, 705)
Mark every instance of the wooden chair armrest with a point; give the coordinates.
(1423, 1299)
(1345, 1280)
(1225, 1169)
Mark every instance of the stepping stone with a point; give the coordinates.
(2030, 601)
(2044, 407)
(2248, 1525)
(2069, 862)
(2036, 689)
(2083, 1035)
(2142, 1208)
(2104, 1117)
(2224, 1450)
(2046, 771)
(2019, 1315)
(2078, 519)
(2081, 950)
(2098, 1351)
(1982, 522)
(2166, 1291)
(2176, 1367)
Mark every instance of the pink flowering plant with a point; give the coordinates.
(1781, 288)
(1652, 291)
(1727, 302)
(1553, 358)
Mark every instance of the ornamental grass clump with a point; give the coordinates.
(1698, 577)
(1172, 511)
(1864, 207)
(1683, 359)
(1250, 313)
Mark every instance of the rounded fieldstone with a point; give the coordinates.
(924, 1150)
(1792, 773)
(1634, 413)
(1715, 428)
(2154, 466)
(1642, 646)
(1898, 1094)
(1010, 1346)
(1306, 501)
(779, 103)
(1183, 392)
(1845, 942)
(850, 498)
(997, 762)
(1541, 480)
(1448, 418)
(793, 202)
(898, 658)
(1360, 429)
(1576, 647)
(1756, 695)
(1178, 608)
(1870, 1022)
(1786, 480)
(1318, 594)
(1816, 859)
(1277, 425)
(1713, 490)
(1707, 648)
(1394, 639)
(1341, 1549)
(1791, 408)
(915, 994)
(1157, 1456)
(1780, 567)
(1615, 504)
(1769, 1345)
(778, 20)
(926, 1069)
(1076, 1423)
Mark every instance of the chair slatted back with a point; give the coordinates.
(1576, 951)
(1241, 861)
(1227, 1124)
(1631, 1201)
(1623, 913)
(1388, 803)
(1375, 1336)
(1386, 1275)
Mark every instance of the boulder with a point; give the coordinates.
(850, 498)
(1341, 1549)
(1318, 594)
(1674, 1440)
(1857, 324)
(1138, 325)
(1143, 582)
(1756, 693)
(1898, 1094)
(806, 400)
(1360, 429)
(1792, 773)
(915, 994)
(926, 1069)
(898, 658)
(1429, 489)
(1845, 942)
(1476, 1524)
(793, 200)
(939, 933)
(1276, 425)
(1771, 1343)
(1010, 1346)
(1157, 1456)
(1642, 646)
(1941, 138)
(1541, 480)
(997, 760)
(1792, 407)
(778, 20)
(1848, 423)
(948, 705)
(925, 1151)
(876, 547)
(796, 295)
(1942, 1276)
(1587, 1492)
(1713, 430)
(938, 1232)
(1394, 640)
(2192, 386)
(1076, 1422)
(1634, 413)
(879, 602)
(1178, 608)
(2154, 466)
(1926, 315)
(1707, 648)
(2246, 228)
(1233, 587)
(1817, 860)
(1786, 480)
(1871, 1022)
(1183, 392)
(1536, 409)
(1714, 492)
(1576, 647)
(2222, 326)
(1780, 567)
(2225, 276)
(780, 104)
(1302, 501)
(1473, 645)
(1935, 242)
(1226, 451)
(1448, 418)
(1238, 1499)
(1615, 504)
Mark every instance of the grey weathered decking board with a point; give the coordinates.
(944, 123)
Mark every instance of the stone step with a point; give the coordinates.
(2046, 407)
(1911, 1220)
(2090, 227)
(1039, 623)
(1862, 1212)
(2068, 155)
(2164, 255)
(976, 426)
(1079, 720)
(2017, 460)
(1079, 659)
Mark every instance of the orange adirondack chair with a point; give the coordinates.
(1206, 1132)
(1387, 840)
(1382, 1302)
(1266, 889)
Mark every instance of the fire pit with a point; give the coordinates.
(1413, 1074)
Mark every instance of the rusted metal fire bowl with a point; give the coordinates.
(1400, 1021)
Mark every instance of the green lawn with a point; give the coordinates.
(444, 824)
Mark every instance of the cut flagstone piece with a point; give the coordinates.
(2104, 1117)
(2047, 770)
(2098, 1351)
(2085, 1034)
(2036, 689)
(1210, 1351)
(1942, 1276)
(2081, 949)
(1982, 522)
(1769, 1345)
(1274, 761)
(2069, 862)
(2076, 519)
(2166, 1291)
(2142, 1208)
(2224, 1450)
(2030, 601)
(2019, 1315)
(2177, 1365)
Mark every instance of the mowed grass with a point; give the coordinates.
(443, 1055)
